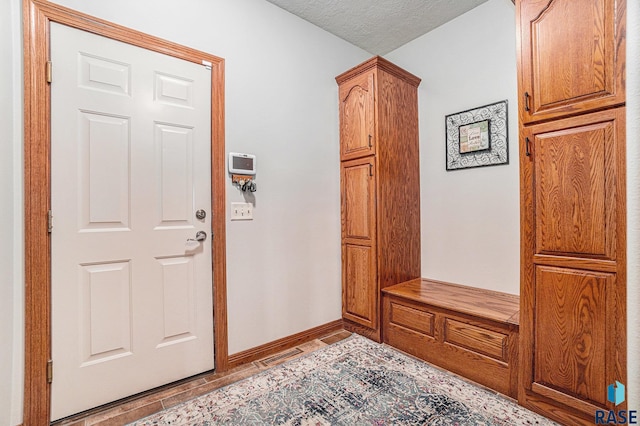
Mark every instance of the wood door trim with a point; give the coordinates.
(37, 15)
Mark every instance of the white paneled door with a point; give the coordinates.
(130, 170)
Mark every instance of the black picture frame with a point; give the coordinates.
(496, 151)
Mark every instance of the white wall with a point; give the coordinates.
(6, 212)
(633, 203)
(11, 235)
(281, 104)
(470, 218)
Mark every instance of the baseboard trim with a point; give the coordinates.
(285, 343)
(369, 333)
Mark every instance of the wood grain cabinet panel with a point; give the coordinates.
(357, 125)
(572, 205)
(574, 308)
(412, 318)
(572, 56)
(379, 161)
(476, 338)
(574, 172)
(358, 199)
(358, 300)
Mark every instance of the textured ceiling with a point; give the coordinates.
(377, 26)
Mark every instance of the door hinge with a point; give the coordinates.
(206, 64)
(50, 371)
(49, 71)
(49, 221)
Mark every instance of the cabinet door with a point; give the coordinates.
(574, 310)
(357, 117)
(359, 289)
(359, 271)
(358, 200)
(573, 298)
(572, 56)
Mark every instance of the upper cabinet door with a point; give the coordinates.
(572, 56)
(359, 201)
(357, 117)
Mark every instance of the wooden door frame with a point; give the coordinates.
(37, 16)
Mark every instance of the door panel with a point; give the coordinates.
(571, 330)
(104, 175)
(174, 90)
(360, 292)
(130, 165)
(575, 190)
(574, 68)
(357, 120)
(106, 317)
(174, 174)
(178, 291)
(358, 200)
(104, 75)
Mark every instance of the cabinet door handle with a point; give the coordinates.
(526, 101)
(370, 169)
(370, 145)
(527, 151)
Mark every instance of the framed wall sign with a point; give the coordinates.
(474, 137)
(477, 137)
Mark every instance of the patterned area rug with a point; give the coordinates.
(352, 382)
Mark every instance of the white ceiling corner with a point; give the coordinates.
(378, 26)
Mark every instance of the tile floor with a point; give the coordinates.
(143, 405)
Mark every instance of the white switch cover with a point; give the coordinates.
(241, 211)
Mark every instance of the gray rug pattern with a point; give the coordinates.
(352, 382)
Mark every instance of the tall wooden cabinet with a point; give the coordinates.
(572, 183)
(380, 187)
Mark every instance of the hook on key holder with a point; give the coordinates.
(244, 182)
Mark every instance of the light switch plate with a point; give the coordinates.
(241, 211)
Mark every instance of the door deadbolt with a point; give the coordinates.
(201, 214)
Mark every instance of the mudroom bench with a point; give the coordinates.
(469, 331)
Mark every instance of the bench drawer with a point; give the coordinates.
(413, 318)
(481, 350)
(474, 338)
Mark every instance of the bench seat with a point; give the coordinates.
(468, 331)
